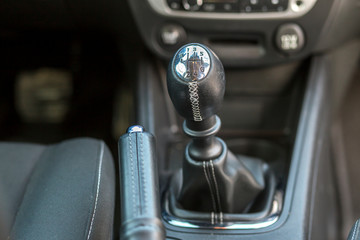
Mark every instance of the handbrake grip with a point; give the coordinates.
(139, 188)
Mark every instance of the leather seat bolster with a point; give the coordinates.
(70, 194)
(17, 162)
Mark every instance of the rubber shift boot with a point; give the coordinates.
(222, 185)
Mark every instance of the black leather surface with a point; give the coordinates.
(62, 191)
(222, 185)
(140, 201)
(17, 162)
(209, 90)
(355, 231)
(259, 210)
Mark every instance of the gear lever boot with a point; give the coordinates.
(213, 179)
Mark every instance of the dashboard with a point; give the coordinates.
(241, 32)
(234, 9)
(247, 32)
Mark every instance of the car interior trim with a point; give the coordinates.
(294, 10)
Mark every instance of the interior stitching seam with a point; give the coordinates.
(211, 192)
(355, 230)
(194, 100)
(132, 172)
(208, 172)
(216, 191)
(143, 177)
(211, 186)
(97, 189)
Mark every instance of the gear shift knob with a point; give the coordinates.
(196, 83)
(213, 178)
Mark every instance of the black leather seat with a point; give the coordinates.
(61, 191)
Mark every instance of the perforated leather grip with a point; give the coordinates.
(140, 204)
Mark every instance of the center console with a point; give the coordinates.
(276, 180)
(296, 160)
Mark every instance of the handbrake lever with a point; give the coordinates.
(139, 188)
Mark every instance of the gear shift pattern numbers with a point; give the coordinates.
(192, 63)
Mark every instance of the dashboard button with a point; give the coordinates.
(174, 4)
(192, 5)
(172, 35)
(290, 38)
(217, 6)
(249, 6)
(277, 5)
(230, 7)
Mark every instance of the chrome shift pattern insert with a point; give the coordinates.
(192, 63)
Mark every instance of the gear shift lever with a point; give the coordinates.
(213, 179)
(196, 85)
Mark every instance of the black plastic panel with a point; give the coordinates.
(256, 37)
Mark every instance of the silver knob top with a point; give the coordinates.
(192, 63)
(135, 129)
